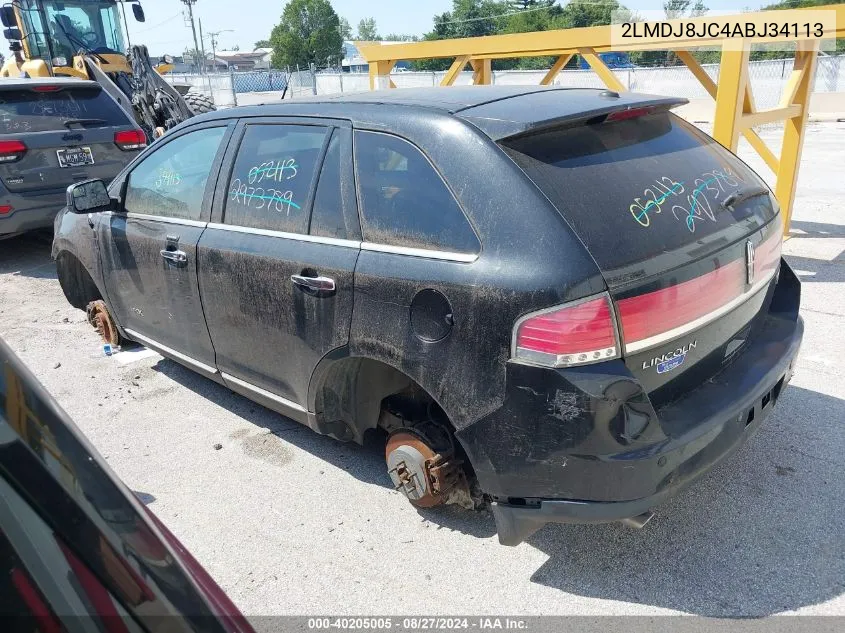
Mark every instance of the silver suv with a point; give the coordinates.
(55, 132)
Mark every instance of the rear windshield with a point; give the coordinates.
(28, 111)
(636, 188)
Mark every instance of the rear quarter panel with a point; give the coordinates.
(529, 260)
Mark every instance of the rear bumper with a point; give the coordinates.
(572, 461)
(33, 211)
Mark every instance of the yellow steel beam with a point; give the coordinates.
(555, 69)
(748, 106)
(454, 70)
(730, 94)
(380, 74)
(769, 116)
(599, 38)
(793, 133)
(482, 71)
(600, 68)
(803, 59)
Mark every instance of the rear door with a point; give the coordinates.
(69, 132)
(276, 279)
(149, 248)
(687, 236)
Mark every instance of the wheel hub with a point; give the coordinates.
(98, 316)
(424, 476)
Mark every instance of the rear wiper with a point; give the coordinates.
(742, 195)
(70, 122)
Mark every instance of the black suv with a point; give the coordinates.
(54, 132)
(566, 302)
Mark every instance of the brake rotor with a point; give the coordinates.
(98, 316)
(408, 462)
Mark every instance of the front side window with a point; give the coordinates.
(171, 181)
(271, 179)
(404, 202)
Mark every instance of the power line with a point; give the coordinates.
(496, 17)
(155, 26)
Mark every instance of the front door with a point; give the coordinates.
(149, 249)
(276, 279)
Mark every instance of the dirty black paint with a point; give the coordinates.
(608, 432)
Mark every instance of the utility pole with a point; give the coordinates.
(202, 47)
(189, 4)
(213, 35)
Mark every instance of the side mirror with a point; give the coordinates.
(89, 196)
(7, 16)
(13, 33)
(138, 12)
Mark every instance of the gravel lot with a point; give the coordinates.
(290, 522)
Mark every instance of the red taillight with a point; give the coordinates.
(649, 319)
(630, 113)
(130, 139)
(46, 88)
(5, 209)
(10, 151)
(572, 334)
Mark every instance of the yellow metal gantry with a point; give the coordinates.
(735, 112)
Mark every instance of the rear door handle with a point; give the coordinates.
(177, 257)
(314, 284)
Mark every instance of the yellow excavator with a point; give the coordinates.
(85, 39)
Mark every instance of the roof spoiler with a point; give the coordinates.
(604, 112)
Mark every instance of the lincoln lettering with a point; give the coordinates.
(681, 351)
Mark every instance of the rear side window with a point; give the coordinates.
(28, 111)
(272, 176)
(404, 202)
(637, 188)
(330, 216)
(171, 180)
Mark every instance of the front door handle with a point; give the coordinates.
(314, 284)
(177, 257)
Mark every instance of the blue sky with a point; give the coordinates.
(165, 32)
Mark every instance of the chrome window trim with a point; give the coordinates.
(686, 328)
(465, 258)
(160, 218)
(332, 241)
(290, 404)
(169, 351)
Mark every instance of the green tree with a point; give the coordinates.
(400, 37)
(580, 13)
(795, 4)
(542, 16)
(468, 18)
(522, 5)
(367, 30)
(261, 44)
(345, 29)
(309, 33)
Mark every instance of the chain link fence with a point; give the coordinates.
(768, 78)
(218, 87)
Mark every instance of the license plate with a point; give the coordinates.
(75, 156)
